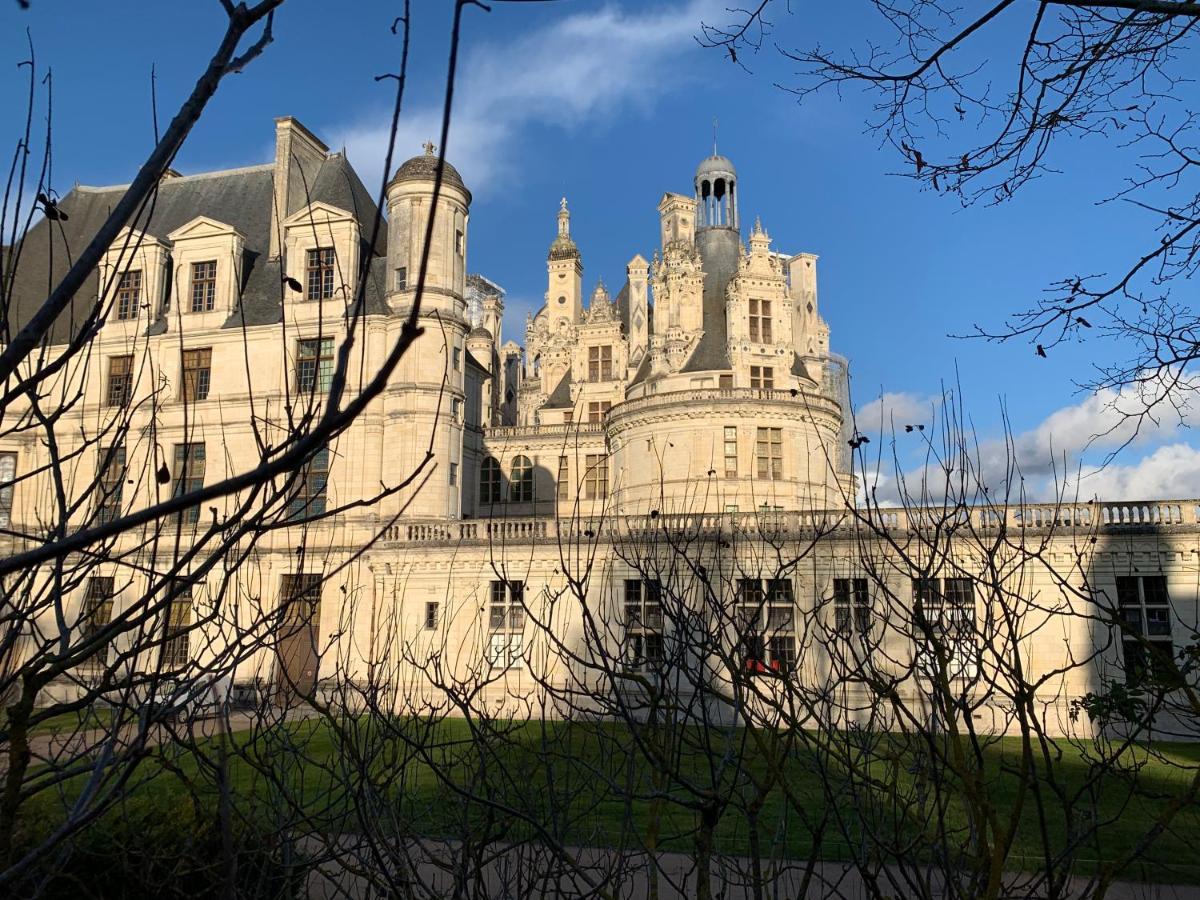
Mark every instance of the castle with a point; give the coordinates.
(701, 399)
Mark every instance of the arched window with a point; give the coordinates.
(489, 481)
(520, 483)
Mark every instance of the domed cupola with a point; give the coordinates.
(424, 168)
(716, 193)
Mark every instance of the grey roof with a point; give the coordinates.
(560, 397)
(479, 332)
(721, 251)
(715, 165)
(472, 361)
(424, 168)
(643, 370)
(622, 305)
(240, 198)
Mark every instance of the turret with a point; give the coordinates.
(638, 273)
(716, 193)
(564, 275)
(410, 200)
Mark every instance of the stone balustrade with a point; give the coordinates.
(1098, 516)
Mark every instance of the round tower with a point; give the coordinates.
(409, 203)
(429, 385)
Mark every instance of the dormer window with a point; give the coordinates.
(319, 283)
(760, 321)
(204, 286)
(402, 278)
(600, 363)
(129, 294)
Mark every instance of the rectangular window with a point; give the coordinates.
(204, 286)
(948, 606)
(129, 294)
(760, 321)
(459, 246)
(111, 483)
(402, 278)
(95, 616)
(314, 365)
(768, 453)
(309, 499)
(300, 599)
(725, 382)
(595, 479)
(731, 451)
(455, 409)
(598, 409)
(600, 363)
(431, 615)
(564, 477)
(506, 624)
(8, 477)
(453, 474)
(120, 380)
(1145, 610)
(851, 606)
(456, 357)
(319, 273)
(643, 624)
(197, 374)
(176, 650)
(568, 417)
(189, 475)
(762, 378)
(766, 621)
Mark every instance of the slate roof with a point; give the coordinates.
(721, 250)
(240, 198)
(560, 397)
(424, 168)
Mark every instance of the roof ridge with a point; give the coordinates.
(218, 173)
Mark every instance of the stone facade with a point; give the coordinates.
(701, 400)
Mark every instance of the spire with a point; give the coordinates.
(564, 219)
(563, 246)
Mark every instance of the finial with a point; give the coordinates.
(714, 135)
(758, 225)
(563, 204)
(429, 148)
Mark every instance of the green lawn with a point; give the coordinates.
(66, 723)
(587, 785)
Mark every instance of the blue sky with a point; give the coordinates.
(612, 104)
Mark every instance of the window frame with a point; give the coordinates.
(762, 378)
(730, 442)
(506, 624)
(175, 651)
(644, 647)
(96, 614)
(1151, 656)
(119, 393)
(129, 294)
(520, 479)
(320, 264)
(311, 496)
(760, 321)
(600, 363)
(765, 621)
(189, 470)
(491, 482)
(314, 364)
(196, 379)
(851, 607)
(595, 479)
(768, 453)
(110, 481)
(206, 281)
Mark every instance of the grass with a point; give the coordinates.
(588, 785)
(70, 722)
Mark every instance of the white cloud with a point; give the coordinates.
(576, 68)
(1094, 448)
(1171, 471)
